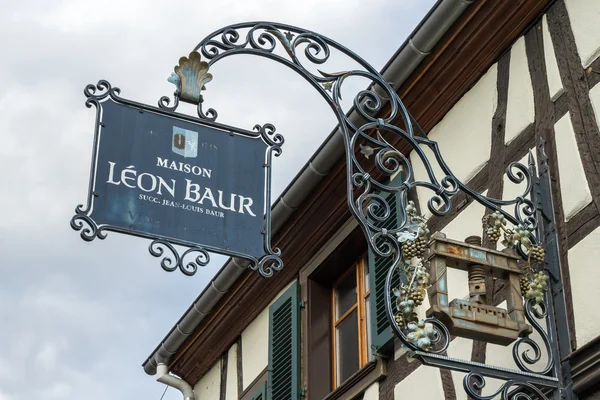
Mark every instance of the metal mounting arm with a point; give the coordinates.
(372, 160)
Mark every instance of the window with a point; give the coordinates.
(261, 393)
(344, 321)
(339, 277)
(350, 322)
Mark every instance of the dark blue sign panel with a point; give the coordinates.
(175, 179)
(178, 179)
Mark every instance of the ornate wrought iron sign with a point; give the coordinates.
(531, 265)
(179, 180)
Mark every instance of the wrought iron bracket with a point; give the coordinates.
(372, 161)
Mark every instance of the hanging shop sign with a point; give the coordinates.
(179, 180)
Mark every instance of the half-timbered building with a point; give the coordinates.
(488, 80)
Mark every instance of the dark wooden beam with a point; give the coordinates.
(240, 366)
(584, 126)
(582, 224)
(573, 76)
(593, 73)
(397, 370)
(561, 106)
(544, 128)
(223, 387)
(448, 384)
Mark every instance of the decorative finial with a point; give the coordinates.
(531, 159)
(532, 166)
(190, 76)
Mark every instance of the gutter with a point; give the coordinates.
(418, 45)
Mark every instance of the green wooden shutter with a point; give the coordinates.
(381, 332)
(284, 347)
(261, 394)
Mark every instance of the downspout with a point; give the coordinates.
(162, 371)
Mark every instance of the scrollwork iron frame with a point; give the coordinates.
(164, 247)
(366, 185)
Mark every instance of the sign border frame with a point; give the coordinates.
(89, 229)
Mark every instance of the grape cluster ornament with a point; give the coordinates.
(415, 278)
(537, 287)
(421, 334)
(533, 282)
(412, 290)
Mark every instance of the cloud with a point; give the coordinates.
(50, 354)
(79, 318)
(60, 390)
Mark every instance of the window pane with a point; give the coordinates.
(347, 347)
(368, 324)
(345, 294)
(367, 283)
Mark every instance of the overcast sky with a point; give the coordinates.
(77, 319)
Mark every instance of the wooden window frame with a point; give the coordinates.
(344, 248)
(256, 385)
(360, 269)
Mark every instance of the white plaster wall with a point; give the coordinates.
(554, 81)
(460, 348)
(584, 16)
(512, 190)
(573, 183)
(467, 223)
(372, 392)
(231, 387)
(424, 383)
(520, 108)
(595, 99)
(255, 347)
(399, 348)
(463, 135)
(501, 356)
(255, 344)
(209, 386)
(583, 268)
